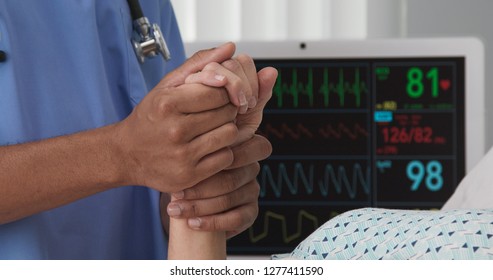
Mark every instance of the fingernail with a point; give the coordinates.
(219, 77)
(194, 223)
(243, 109)
(179, 195)
(243, 102)
(242, 99)
(252, 102)
(174, 210)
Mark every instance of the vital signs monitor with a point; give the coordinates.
(391, 123)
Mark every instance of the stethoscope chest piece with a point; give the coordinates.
(148, 41)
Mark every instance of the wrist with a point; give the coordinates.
(118, 165)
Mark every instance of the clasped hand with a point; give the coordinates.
(194, 136)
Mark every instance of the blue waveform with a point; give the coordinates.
(301, 178)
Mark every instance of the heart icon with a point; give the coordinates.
(444, 84)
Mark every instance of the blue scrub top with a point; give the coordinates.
(71, 67)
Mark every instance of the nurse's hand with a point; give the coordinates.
(180, 134)
(227, 201)
(177, 137)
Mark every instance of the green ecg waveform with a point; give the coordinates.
(329, 84)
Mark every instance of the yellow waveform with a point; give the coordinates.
(302, 214)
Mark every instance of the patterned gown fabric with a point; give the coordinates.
(371, 233)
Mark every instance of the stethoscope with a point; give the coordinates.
(147, 40)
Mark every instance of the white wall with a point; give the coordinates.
(427, 18)
(240, 20)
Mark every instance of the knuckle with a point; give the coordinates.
(245, 59)
(250, 192)
(216, 224)
(213, 139)
(181, 154)
(199, 56)
(232, 65)
(193, 210)
(231, 131)
(226, 202)
(211, 66)
(229, 181)
(189, 209)
(231, 110)
(182, 176)
(229, 157)
(220, 95)
(238, 220)
(183, 173)
(193, 193)
(256, 168)
(166, 105)
(228, 113)
(192, 78)
(254, 214)
(248, 216)
(256, 190)
(226, 136)
(235, 84)
(176, 134)
(265, 147)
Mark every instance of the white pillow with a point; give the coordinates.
(475, 191)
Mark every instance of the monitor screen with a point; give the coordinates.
(382, 130)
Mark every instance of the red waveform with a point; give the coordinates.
(327, 132)
(342, 130)
(286, 131)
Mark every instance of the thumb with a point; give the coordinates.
(248, 123)
(266, 79)
(198, 61)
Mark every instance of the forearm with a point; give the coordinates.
(188, 244)
(43, 175)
